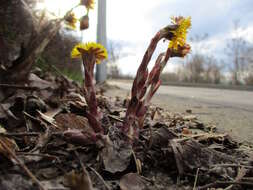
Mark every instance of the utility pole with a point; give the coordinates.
(101, 72)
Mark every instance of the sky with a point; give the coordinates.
(132, 24)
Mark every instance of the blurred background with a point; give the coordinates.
(221, 37)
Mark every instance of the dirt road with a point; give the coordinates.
(229, 110)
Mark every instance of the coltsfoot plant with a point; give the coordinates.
(91, 53)
(145, 83)
(71, 20)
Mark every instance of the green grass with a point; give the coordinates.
(45, 67)
(74, 75)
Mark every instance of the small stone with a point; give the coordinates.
(188, 111)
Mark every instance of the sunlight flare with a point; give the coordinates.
(59, 8)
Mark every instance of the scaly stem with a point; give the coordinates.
(90, 93)
(138, 103)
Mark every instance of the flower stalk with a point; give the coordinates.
(147, 83)
(90, 53)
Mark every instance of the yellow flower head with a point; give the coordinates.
(89, 4)
(179, 35)
(90, 48)
(71, 20)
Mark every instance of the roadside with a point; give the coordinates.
(230, 110)
(199, 85)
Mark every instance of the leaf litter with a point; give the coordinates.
(46, 142)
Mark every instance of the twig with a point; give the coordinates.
(229, 187)
(189, 138)
(248, 178)
(32, 134)
(151, 138)
(40, 155)
(31, 117)
(8, 112)
(85, 172)
(196, 179)
(241, 173)
(20, 134)
(78, 157)
(115, 118)
(33, 88)
(232, 165)
(23, 166)
(216, 183)
(138, 167)
(101, 178)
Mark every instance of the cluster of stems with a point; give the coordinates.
(147, 83)
(144, 87)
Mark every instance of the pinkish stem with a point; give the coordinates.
(138, 104)
(135, 108)
(90, 93)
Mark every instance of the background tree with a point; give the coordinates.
(114, 54)
(200, 67)
(213, 70)
(248, 78)
(235, 50)
(195, 68)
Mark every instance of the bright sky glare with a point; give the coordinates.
(132, 23)
(60, 7)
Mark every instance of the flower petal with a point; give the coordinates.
(90, 48)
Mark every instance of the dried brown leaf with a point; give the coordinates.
(71, 121)
(78, 181)
(132, 181)
(116, 155)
